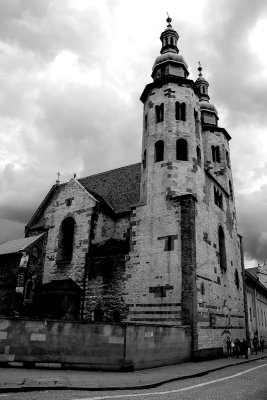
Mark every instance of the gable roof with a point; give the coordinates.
(119, 187)
(15, 246)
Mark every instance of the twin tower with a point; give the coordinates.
(185, 264)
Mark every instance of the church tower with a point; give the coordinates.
(184, 267)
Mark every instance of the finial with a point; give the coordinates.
(169, 20)
(199, 69)
(58, 175)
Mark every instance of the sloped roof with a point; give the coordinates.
(15, 246)
(252, 271)
(119, 187)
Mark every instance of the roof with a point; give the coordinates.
(252, 271)
(120, 188)
(15, 246)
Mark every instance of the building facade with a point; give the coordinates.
(154, 242)
(256, 303)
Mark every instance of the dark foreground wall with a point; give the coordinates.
(93, 345)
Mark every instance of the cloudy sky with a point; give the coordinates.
(72, 72)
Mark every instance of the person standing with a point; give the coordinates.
(255, 344)
(229, 348)
(245, 348)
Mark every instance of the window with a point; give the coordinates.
(171, 41)
(230, 190)
(169, 243)
(250, 314)
(180, 111)
(236, 279)
(68, 202)
(145, 122)
(65, 242)
(159, 151)
(227, 159)
(144, 160)
(198, 156)
(218, 198)
(160, 113)
(196, 121)
(28, 291)
(215, 153)
(181, 150)
(222, 250)
(202, 288)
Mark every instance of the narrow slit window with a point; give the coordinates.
(159, 112)
(222, 249)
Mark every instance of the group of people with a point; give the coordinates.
(239, 348)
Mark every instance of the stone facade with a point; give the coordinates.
(156, 242)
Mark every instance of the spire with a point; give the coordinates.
(202, 85)
(169, 38)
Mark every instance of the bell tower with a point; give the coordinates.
(171, 145)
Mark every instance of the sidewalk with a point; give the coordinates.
(20, 379)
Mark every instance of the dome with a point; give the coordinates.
(206, 106)
(170, 57)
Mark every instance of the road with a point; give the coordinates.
(240, 382)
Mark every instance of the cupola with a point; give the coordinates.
(170, 62)
(209, 113)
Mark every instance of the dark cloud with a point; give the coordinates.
(252, 211)
(51, 123)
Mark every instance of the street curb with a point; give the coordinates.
(34, 388)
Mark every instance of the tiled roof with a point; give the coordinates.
(119, 187)
(14, 246)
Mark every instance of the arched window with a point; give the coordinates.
(183, 112)
(159, 151)
(198, 156)
(231, 190)
(66, 238)
(28, 291)
(159, 112)
(227, 159)
(218, 157)
(215, 153)
(144, 160)
(222, 250)
(237, 279)
(181, 150)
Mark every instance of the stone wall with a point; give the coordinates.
(93, 345)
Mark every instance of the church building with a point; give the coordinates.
(155, 242)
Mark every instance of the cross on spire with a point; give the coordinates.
(58, 175)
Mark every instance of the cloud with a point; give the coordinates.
(252, 209)
(72, 73)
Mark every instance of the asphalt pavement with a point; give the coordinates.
(14, 379)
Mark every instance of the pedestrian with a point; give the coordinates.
(262, 343)
(245, 348)
(237, 348)
(229, 347)
(255, 344)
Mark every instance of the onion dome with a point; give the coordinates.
(170, 62)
